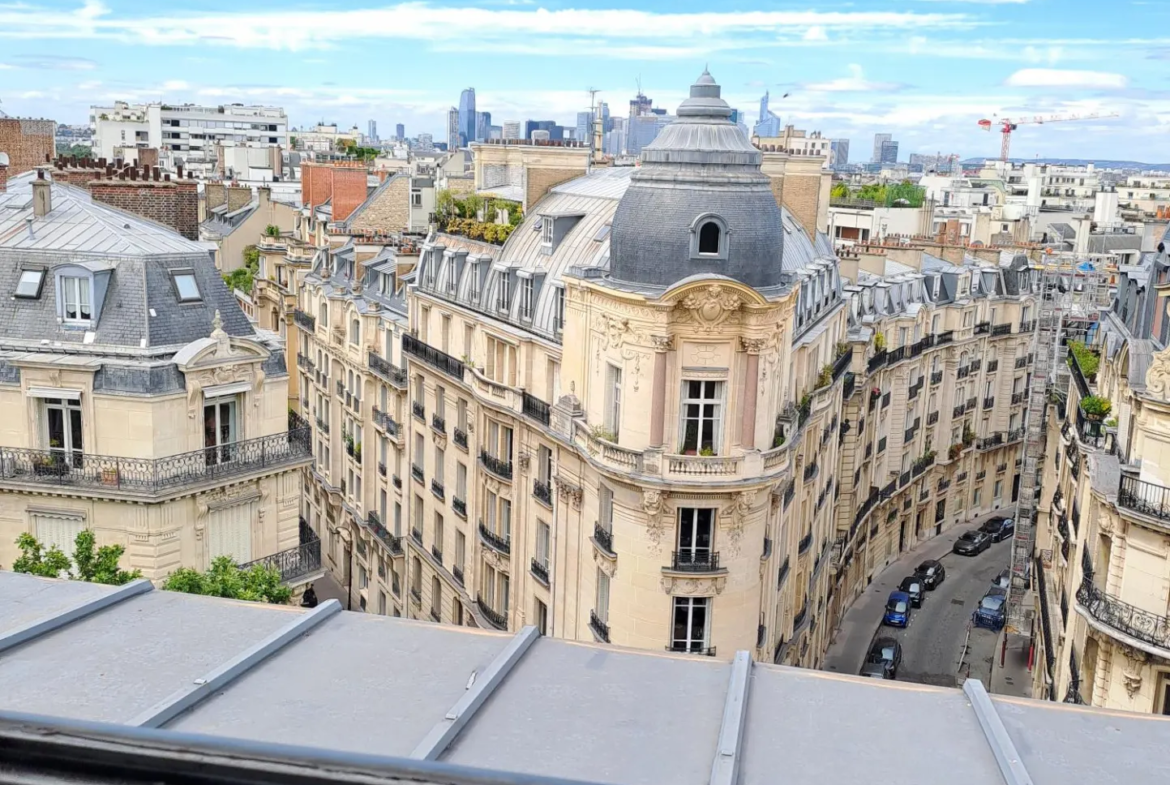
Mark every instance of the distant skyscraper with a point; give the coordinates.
(606, 120)
(839, 155)
(466, 117)
(769, 122)
(512, 130)
(453, 134)
(740, 119)
(555, 132)
(643, 130)
(400, 132)
(584, 130)
(615, 137)
(640, 105)
(495, 132)
(483, 124)
(425, 141)
(889, 153)
(878, 141)
(373, 131)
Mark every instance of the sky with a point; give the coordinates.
(925, 71)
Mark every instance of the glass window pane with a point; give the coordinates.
(187, 287)
(30, 283)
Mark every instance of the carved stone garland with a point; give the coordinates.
(655, 507)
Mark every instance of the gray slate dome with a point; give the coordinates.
(698, 204)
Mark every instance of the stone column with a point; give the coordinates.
(751, 384)
(662, 345)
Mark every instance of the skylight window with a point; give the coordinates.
(186, 287)
(29, 286)
(602, 233)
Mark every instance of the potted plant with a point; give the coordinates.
(110, 475)
(955, 450)
(825, 376)
(707, 452)
(879, 342)
(968, 436)
(1095, 407)
(50, 463)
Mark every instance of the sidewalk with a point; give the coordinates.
(851, 640)
(1012, 678)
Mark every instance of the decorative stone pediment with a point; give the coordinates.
(221, 361)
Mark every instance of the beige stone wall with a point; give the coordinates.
(389, 211)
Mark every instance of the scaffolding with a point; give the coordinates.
(1071, 290)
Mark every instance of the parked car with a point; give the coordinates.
(995, 591)
(1003, 580)
(885, 655)
(897, 610)
(916, 588)
(999, 529)
(932, 573)
(972, 543)
(990, 612)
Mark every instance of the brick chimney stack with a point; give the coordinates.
(42, 195)
(3, 178)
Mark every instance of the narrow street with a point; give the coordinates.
(933, 643)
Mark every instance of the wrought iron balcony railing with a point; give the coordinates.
(498, 542)
(694, 648)
(936, 377)
(540, 571)
(437, 552)
(603, 537)
(1001, 329)
(438, 489)
(542, 491)
(497, 466)
(460, 437)
(294, 563)
(695, 561)
(1114, 612)
(433, 357)
(496, 619)
(304, 320)
(154, 476)
(600, 628)
(535, 409)
(392, 542)
(417, 473)
(457, 574)
(1142, 497)
(387, 370)
(983, 328)
(439, 423)
(419, 410)
(992, 366)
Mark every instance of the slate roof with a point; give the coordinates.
(492, 707)
(139, 310)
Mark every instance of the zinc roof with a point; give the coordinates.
(349, 684)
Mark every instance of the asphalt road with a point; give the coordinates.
(933, 643)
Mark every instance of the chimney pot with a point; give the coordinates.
(167, 177)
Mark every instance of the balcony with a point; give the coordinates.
(1145, 498)
(989, 442)
(535, 409)
(1001, 329)
(810, 471)
(800, 617)
(396, 480)
(438, 490)
(439, 423)
(1021, 362)
(958, 411)
(841, 364)
(694, 561)
(499, 543)
(945, 338)
(416, 535)
(1028, 326)
(417, 473)
(1020, 397)
(983, 328)
(457, 574)
(1119, 615)
(381, 469)
(963, 373)
(497, 466)
(804, 544)
(540, 572)
(992, 366)
(542, 491)
(152, 477)
(293, 564)
(304, 321)
(975, 365)
(881, 447)
(980, 475)
(971, 403)
(936, 377)
(322, 426)
(600, 628)
(419, 410)
(440, 361)
(460, 437)
(603, 537)
(437, 552)
(392, 543)
(703, 465)
(496, 619)
(875, 362)
(388, 371)
(459, 506)
(932, 418)
(1014, 435)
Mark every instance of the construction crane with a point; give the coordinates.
(1006, 126)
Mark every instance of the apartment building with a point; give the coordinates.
(139, 401)
(185, 133)
(1103, 543)
(934, 432)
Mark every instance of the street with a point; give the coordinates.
(933, 643)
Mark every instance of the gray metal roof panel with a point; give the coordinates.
(27, 599)
(400, 705)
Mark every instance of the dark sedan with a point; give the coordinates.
(916, 588)
(991, 612)
(999, 529)
(885, 655)
(972, 543)
(932, 573)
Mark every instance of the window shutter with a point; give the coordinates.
(58, 530)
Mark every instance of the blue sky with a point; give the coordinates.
(923, 70)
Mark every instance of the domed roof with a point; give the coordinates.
(699, 203)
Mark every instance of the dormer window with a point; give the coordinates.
(30, 283)
(709, 238)
(186, 287)
(76, 299)
(504, 296)
(546, 230)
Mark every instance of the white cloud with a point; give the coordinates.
(854, 83)
(294, 29)
(816, 33)
(175, 84)
(1052, 77)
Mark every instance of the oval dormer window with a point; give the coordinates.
(709, 237)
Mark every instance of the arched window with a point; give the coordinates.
(355, 331)
(323, 314)
(709, 239)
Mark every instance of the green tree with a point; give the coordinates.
(225, 579)
(840, 191)
(100, 565)
(35, 560)
(242, 277)
(269, 231)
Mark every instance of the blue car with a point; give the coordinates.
(897, 609)
(991, 612)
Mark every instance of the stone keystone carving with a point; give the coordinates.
(712, 306)
(654, 505)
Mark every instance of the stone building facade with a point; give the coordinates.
(141, 403)
(1103, 546)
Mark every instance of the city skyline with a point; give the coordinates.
(926, 73)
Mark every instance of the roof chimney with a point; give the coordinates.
(3, 177)
(42, 195)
